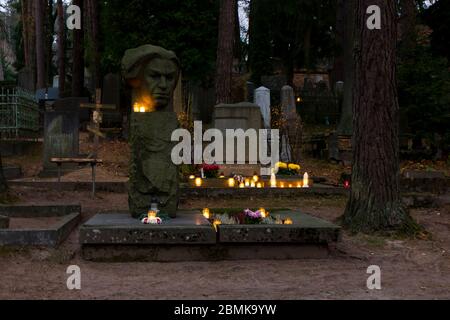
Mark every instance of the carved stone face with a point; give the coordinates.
(160, 76)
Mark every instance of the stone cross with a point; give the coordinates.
(97, 118)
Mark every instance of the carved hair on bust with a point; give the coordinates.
(135, 60)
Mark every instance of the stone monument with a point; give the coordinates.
(262, 99)
(291, 132)
(152, 72)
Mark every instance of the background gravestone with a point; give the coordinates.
(72, 104)
(262, 99)
(61, 139)
(111, 95)
(291, 132)
(238, 116)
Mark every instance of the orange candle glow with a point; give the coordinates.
(207, 213)
(198, 182)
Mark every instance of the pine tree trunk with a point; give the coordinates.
(375, 203)
(78, 56)
(227, 23)
(94, 17)
(61, 49)
(29, 38)
(338, 67)
(40, 45)
(409, 13)
(345, 126)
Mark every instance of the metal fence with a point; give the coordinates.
(19, 113)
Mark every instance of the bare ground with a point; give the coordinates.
(411, 269)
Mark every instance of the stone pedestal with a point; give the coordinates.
(152, 172)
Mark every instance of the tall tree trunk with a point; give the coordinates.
(227, 23)
(94, 19)
(40, 45)
(338, 68)
(78, 55)
(375, 203)
(345, 126)
(49, 32)
(409, 13)
(61, 49)
(29, 38)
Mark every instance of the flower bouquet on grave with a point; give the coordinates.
(211, 171)
(288, 169)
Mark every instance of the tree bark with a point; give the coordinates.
(78, 55)
(375, 203)
(40, 45)
(94, 17)
(345, 127)
(61, 49)
(409, 13)
(338, 68)
(224, 71)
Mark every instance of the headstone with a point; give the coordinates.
(61, 138)
(72, 104)
(238, 116)
(56, 81)
(291, 133)
(111, 90)
(153, 175)
(262, 99)
(111, 96)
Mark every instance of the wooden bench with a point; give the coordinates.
(79, 161)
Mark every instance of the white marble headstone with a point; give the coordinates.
(262, 99)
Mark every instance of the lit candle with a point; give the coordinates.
(259, 185)
(191, 177)
(198, 182)
(255, 178)
(263, 213)
(299, 185)
(306, 180)
(217, 223)
(290, 185)
(247, 182)
(273, 180)
(242, 185)
(288, 221)
(282, 185)
(152, 214)
(253, 184)
(231, 182)
(142, 109)
(206, 213)
(136, 107)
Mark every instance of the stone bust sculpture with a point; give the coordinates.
(152, 72)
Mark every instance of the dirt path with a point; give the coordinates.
(415, 269)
